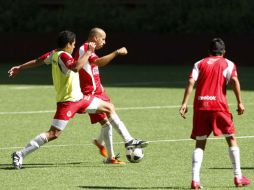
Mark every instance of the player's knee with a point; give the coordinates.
(231, 140)
(55, 136)
(109, 109)
(104, 122)
(52, 135)
(112, 108)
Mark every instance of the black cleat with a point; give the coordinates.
(135, 143)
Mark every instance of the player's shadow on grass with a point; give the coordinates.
(243, 168)
(115, 187)
(52, 165)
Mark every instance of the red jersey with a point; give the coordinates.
(212, 75)
(89, 75)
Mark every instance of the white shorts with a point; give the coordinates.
(93, 107)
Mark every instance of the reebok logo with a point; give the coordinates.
(207, 98)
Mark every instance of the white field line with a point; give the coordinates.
(26, 112)
(152, 141)
(126, 108)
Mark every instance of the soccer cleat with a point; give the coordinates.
(113, 161)
(101, 148)
(17, 160)
(195, 185)
(135, 143)
(243, 181)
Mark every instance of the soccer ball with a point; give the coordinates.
(134, 155)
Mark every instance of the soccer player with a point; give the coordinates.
(69, 97)
(211, 111)
(91, 85)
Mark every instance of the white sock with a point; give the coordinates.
(197, 158)
(234, 154)
(100, 137)
(34, 144)
(120, 128)
(106, 130)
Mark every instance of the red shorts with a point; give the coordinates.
(67, 110)
(218, 122)
(97, 117)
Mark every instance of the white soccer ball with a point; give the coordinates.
(134, 155)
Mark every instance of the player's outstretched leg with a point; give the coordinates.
(130, 142)
(34, 144)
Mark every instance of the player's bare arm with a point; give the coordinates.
(235, 84)
(83, 59)
(184, 109)
(102, 61)
(14, 71)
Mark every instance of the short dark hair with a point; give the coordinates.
(65, 37)
(217, 46)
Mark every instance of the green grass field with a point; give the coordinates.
(147, 99)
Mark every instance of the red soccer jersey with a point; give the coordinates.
(89, 75)
(212, 75)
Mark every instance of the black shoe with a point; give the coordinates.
(135, 143)
(17, 160)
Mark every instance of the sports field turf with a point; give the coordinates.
(147, 99)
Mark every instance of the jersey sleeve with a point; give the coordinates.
(82, 50)
(66, 60)
(93, 58)
(195, 71)
(230, 71)
(234, 72)
(46, 57)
